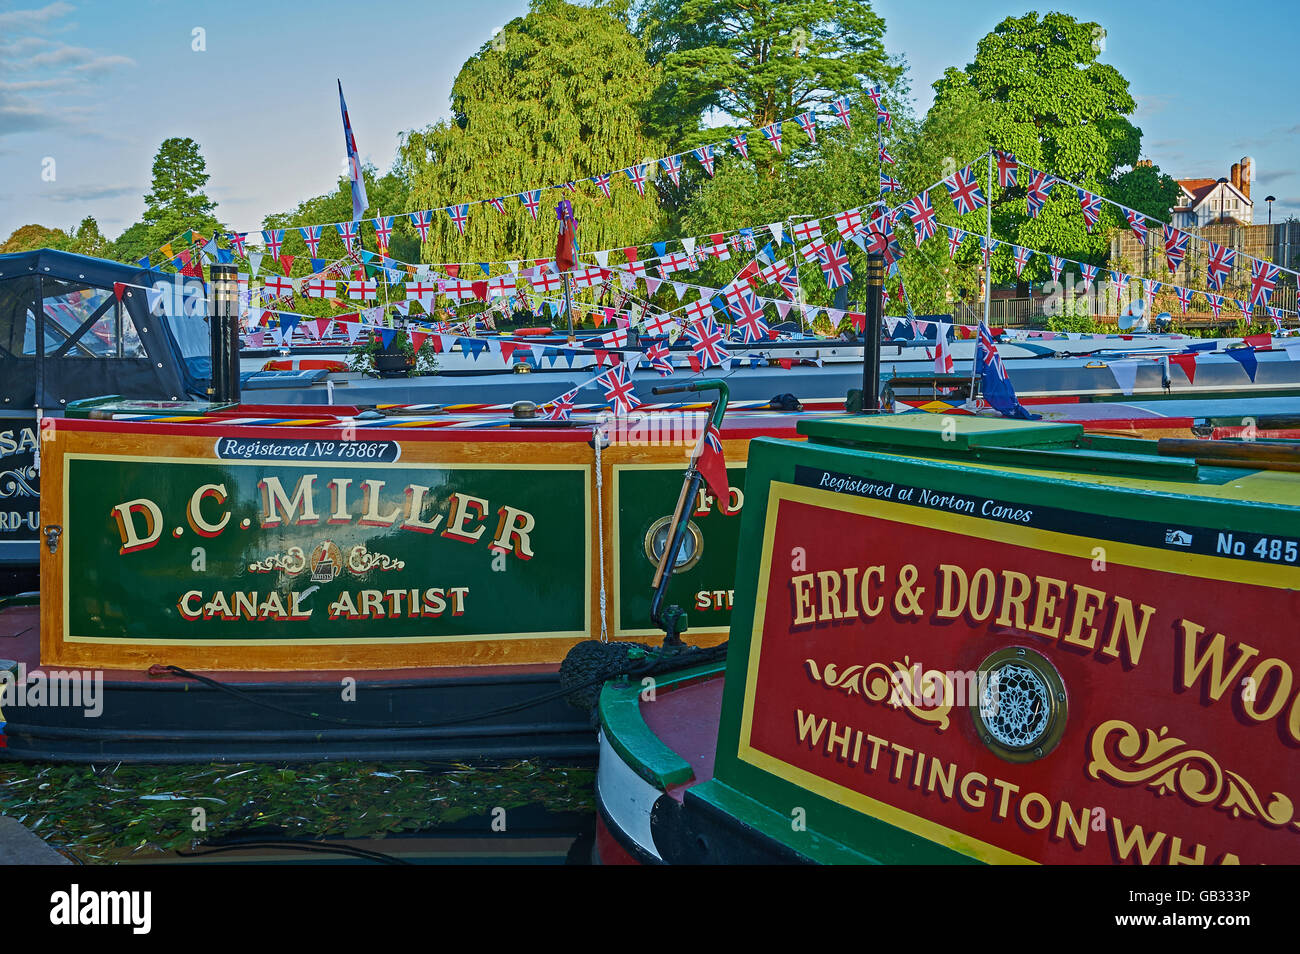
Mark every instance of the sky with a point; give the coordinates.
(88, 90)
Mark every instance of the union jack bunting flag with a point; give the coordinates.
(237, 240)
(311, 235)
(747, 240)
(1247, 310)
(706, 342)
(562, 406)
(954, 240)
(1138, 223)
(790, 284)
(748, 312)
(602, 183)
(1175, 247)
(1007, 166)
(1119, 280)
(1263, 279)
(1219, 265)
(1152, 288)
(921, 212)
(704, 155)
(657, 354)
(459, 216)
(1089, 274)
(1055, 263)
(772, 134)
(531, 200)
(1021, 255)
(808, 123)
(1036, 193)
(273, 239)
(498, 203)
(883, 118)
(841, 109)
(348, 233)
(740, 144)
(835, 265)
(673, 166)
(880, 233)
(1091, 205)
(1184, 297)
(383, 231)
(990, 357)
(875, 93)
(637, 175)
(988, 246)
(422, 221)
(965, 191)
(885, 156)
(1216, 303)
(889, 184)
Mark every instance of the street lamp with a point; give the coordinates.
(1223, 180)
(1270, 199)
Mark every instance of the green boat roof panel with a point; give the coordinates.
(934, 432)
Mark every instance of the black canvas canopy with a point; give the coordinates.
(66, 335)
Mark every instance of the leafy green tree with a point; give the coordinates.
(555, 97)
(28, 238)
(1053, 105)
(88, 240)
(176, 202)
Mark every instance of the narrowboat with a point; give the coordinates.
(959, 640)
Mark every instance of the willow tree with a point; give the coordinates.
(555, 97)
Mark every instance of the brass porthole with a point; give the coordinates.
(1020, 711)
(656, 538)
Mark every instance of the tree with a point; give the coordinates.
(28, 238)
(1053, 105)
(88, 240)
(176, 202)
(556, 97)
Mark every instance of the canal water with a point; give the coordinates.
(517, 812)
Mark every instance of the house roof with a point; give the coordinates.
(1200, 190)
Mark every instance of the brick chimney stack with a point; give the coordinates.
(1247, 173)
(1235, 176)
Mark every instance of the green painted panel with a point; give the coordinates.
(936, 431)
(330, 550)
(646, 495)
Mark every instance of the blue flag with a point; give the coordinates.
(997, 388)
(359, 200)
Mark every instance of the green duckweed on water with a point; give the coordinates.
(99, 813)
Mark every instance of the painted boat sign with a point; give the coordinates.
(346, 448)
(961, 662)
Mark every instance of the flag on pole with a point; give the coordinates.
(359, 200)
(996, 386)
(712, 466)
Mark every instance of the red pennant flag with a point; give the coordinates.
(1259, 341)
(1188, 363)
(118, 289)
(286, 262)
(695, 363)
(417, 339)
(508, 348)
(630, 253)
(786, 363)
(480, 290)
(453, 271)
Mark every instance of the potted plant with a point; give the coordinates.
(396, 360)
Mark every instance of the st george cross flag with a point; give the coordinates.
(996, 386)
(1175, 247)
(942, 354)
(965, 191)
(704, 155)
(359, 199)
(1263, 279)
(772, 134)
(712, 466)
